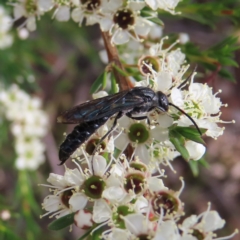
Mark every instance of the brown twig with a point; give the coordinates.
(123, 81)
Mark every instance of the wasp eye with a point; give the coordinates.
(163, 103)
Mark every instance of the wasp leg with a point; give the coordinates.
(119, 115)
(138, 118)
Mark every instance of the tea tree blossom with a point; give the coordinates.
(6, 38)
(29, 124)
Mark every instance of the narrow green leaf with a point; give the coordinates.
(98, 83)
(123, 73)
(226, 74)
(157, 21)
(194, 167)
(178, 141)
(86, 234)
(104, 80)
(203, 162)
(62, 222)
(191, 133)
(114, 87)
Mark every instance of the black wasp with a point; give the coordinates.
(93, 114)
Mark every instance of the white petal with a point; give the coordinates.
(105, 24)
(142, 28)
(189, 222)
(73, 177)
(114, 194)
(101, 211)
(184, 38)
(52, 203)
(45, 5)
(99, 94)
(31, 24)
(164, 81)
(141, 205)
(77, 15)
(56, 180)
(165, 121)
(176, 97)
(195, 150)
(212, 221)
(63, 14)
(119, 234)
(120, 37)
(99, 165)
(136, 6)
(136, 224)
(77, 201)
(152, 4)
(156, 185)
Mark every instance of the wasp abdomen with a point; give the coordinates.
(78, 136)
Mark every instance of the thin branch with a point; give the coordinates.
(123, 81)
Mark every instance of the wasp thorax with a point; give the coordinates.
(124, 18)
(165, 203)
(134, 182)
(91, 5)
(65, 197)
(147, 64)
(94, 186)
(117, 216)
(92, 144)
(138, 133)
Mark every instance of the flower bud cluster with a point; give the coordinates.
(122, 19)
(28, 125)
(6, 38)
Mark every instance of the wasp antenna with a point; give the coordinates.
(191, 119)
(187, 79)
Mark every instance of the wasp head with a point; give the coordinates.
(163, 103)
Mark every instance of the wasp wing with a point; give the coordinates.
(101, 107)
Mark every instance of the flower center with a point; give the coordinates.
(124, 18)
(92, 144)
(94, 186)
(134, 182)
(121, 211)
(197, 234)
(147, 63)
(65, 197)
(91, 5)
(30, 7)
(138, 133)
(138, 166)
(165, 202)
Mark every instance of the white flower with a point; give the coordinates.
(167, 230)
(202, 105)
(124, 23)
(29, 9)
(204, 224)
(6, 38)
(167, 5)
(91, 11)
(58, 204)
